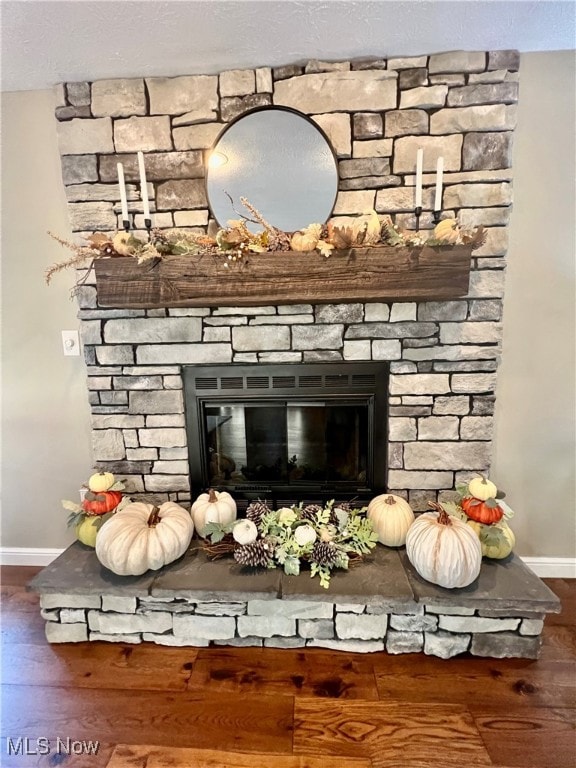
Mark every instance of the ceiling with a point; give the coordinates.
(50, 41)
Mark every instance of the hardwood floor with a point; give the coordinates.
(156, 707)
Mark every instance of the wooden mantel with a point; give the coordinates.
(360, 274)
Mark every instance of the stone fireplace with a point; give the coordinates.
(442, 354)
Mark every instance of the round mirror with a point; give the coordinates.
(281, 162)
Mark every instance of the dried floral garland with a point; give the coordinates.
(236, 240)
(328, 537)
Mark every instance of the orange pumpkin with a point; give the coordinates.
(486, 512)
(100, 503)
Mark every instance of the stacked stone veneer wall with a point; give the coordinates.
(376, 113)
(437, 630)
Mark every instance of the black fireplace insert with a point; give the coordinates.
(288, 432)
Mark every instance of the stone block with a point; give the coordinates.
(406, 312)
(99, 382)
(412, 78)
(470, 333)
(497, 76)
(420, 384)
(449, 147)
(99, 192)
(339, 313)
(457, 61)
(170, 640)
(162, 401)
(148, 134)
(184, 354)
(407, 623)
(108, 445)
(401, 429)
(477, 428)
(314, 65)
(160, 166)
(237, 82)
(125, 624)
(170, 467)
(444, 455)
(367, 125)
(220, 609)
(77, 169)
(442, 310)
(118, 354)
(483, 93)
(477, 624)
(505, 645)
(404, 642)
(478, 382)
(427, 97)
(177, 95)
(266, 626)
(81, 137)
(204, 627)
(398, 199)
(484, 151)
(191, 218)
(386, 349)
(347, 646)
(445, 645)
(363, 627)
(337, 129)
(232, 107)
(457, 405)
(106, 638)
(289, 70)
(241, 642)
(291, 609)
(78, 94)
(405, 62)
(137, 382)
(263, 80)
(317, 356)
(491, 309)
(162, 438)
(354, 202)
(78, 616)
(118, 98)
(66, 633)
(281, 319)
(363, 167)
(195, 116)
(257, 338)
(140, 454)
(376, 312)
(152, 330)
(450, 610)
(504, 60)
(486, 283)
(317, 337)
(350, 608)
(91, 216)
(375, 148)
(181, 193)
(403, 608)
(438, 428)
(284, 642)
(406, 122)
(477, 195)
(487, 117)
(531, 626)
(371, 90)
(51, 614)
(357, 350)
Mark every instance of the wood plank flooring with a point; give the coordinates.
(155, 707)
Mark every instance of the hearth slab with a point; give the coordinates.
(379, 580)
(198, 578)
(502, 585)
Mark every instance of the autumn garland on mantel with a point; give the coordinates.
(236, 241)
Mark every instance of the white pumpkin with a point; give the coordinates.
(245, 532)
(142, 537)
(482, 488)
(444, 550)
(213, 507)
(391, 518)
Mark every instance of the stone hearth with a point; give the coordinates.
(380, 605)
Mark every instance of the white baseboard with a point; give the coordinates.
(545, 567)
(552, 567)
(28, 555)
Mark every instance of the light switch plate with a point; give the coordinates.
(71, 343)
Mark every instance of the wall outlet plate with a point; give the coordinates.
(70, 343)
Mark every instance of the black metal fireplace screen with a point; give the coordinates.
(288, 432)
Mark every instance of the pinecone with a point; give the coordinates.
(309, 512)
(324, 553)
(257, 554)
(255, 511)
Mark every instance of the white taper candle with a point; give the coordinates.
(123, 201)
(143, 186)
(439, 175)
(419, 164)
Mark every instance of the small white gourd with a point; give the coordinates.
(213, 507)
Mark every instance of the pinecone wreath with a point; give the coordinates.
(257, 555)
(324, 553)
(255, 511)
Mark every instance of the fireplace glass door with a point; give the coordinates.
(296, 442)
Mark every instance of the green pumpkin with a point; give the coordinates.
(497, 540)
(86, 531)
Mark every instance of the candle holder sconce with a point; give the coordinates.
(436, 216)
(417, 214)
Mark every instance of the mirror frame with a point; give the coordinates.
(267, 108)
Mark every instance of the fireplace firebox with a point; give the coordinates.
(288, 433)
